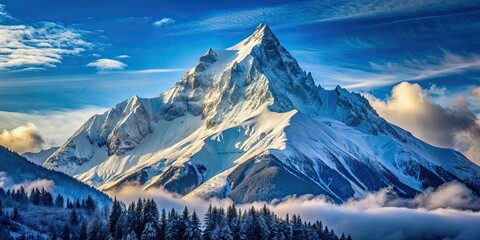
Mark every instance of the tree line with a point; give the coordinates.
(142, 220)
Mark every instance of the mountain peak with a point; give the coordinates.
(262, 35)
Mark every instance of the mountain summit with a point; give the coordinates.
(249, 124)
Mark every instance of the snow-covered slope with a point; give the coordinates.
(248, 123)
(39, 157)
(16, 170)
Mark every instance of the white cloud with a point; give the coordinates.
(38, 46)
(450, 212)
(122, 56)
(413, 109)
(54, 127)
(164, 22)
(22, 138)
(107, 64)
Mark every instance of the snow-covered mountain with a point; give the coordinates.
(16, 170)
(39, 157)
(248, 123)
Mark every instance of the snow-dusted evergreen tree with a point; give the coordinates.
(162, 225)
(253, 226)
(132, 236)
(221, 224)
(193, 231)
(184, 223)
(149, 232)
(171, 231)
(209, 224)
(137, 220)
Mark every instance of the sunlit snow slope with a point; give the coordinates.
(248, 123)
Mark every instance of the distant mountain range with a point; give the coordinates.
(39, 157)
(17, 170)
(249, 124)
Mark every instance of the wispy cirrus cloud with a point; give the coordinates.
(38, 46)
(4, 14)
(389, 73)
(164, 22)
(307, 12)
(107, 64)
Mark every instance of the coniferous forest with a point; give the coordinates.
(39, 215)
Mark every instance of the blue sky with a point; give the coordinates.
(83, 55)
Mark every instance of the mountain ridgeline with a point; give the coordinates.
(16, 171)
(249, 124)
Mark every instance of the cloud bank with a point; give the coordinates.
(107, 64)
(22, 138)
(412, 108)
(31, 131)
(449, 212)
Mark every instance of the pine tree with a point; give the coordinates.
(132, 236)
(35, 196)
(114, 216)
(59, 201)
(163, 225)
(349, 237)
(150, 213)
(193, 231)
(46, 198)
(90, 205)
(66, 233)
(149, 233)
(184, 223)
(15, 214)
(73, 217)
(137, 221)
(224, 233)
(233, 221)
(95, 229)
(209, 224)
(83, 232)
(171, 231)
(69, 204)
